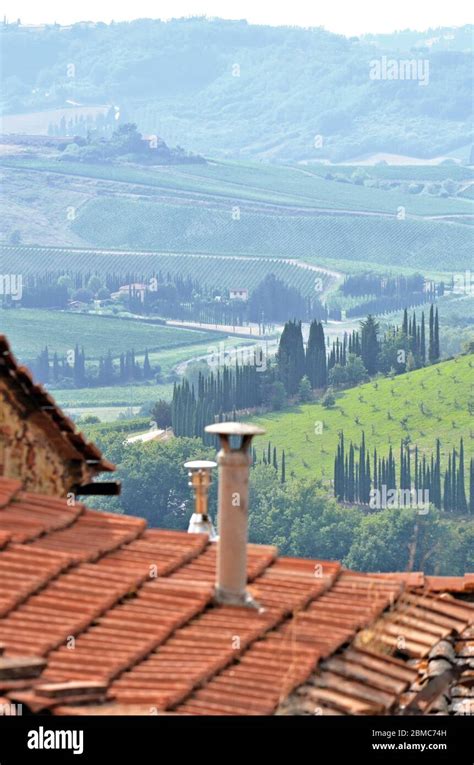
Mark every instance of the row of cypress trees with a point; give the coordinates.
(53, 369)
(217, 395)
(357, 471)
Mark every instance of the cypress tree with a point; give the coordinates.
(436, 336)
(283, 467)
(350, 476)
(362, 469)
(370, 344)
(422, 340)
(368, 482)
(291, 356)
(405, 322)
(298, 370)
(321, 362)
(471, 486)
(147, 373)
(339, 469)
(431, 340)
(413, 346)
(453, 482)
(447, 489)
(460, 486)
(55, 367)
(436, 478)
(312, 350)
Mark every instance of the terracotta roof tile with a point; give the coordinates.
(107, 601)
(363, 679)
(66, 606)
(451, 583)
(285, 657)
(28, 516)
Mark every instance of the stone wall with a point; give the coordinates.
(26, 453)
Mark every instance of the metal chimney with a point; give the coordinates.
(200, 479)
(231, 573)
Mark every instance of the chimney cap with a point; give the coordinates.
(200, 465)
(234, 429)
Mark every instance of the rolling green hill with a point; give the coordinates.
(387, 411)
(230, 208)
(229, 88)
(286, 186)
(379, 240)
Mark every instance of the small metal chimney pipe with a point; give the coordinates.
(232, 522)
(200, 479)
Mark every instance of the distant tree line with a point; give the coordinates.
(273, 299)
(173, 296)
(385, 294)
(389, 286)
(385, 305)
(72, 368)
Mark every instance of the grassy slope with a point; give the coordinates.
(446, 400)
(384, 241)
(117, 396)
(255, 182)
(177, 224)
(425, 173)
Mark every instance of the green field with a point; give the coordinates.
(404, 173)
(183, 228)
(118, 397)
(155, 214)
(254, 182)
(445, 390)
(29, 330)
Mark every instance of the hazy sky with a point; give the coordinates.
(350, 17)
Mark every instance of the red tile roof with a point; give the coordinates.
(123, 619)
(43, 410)
(363, 679)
